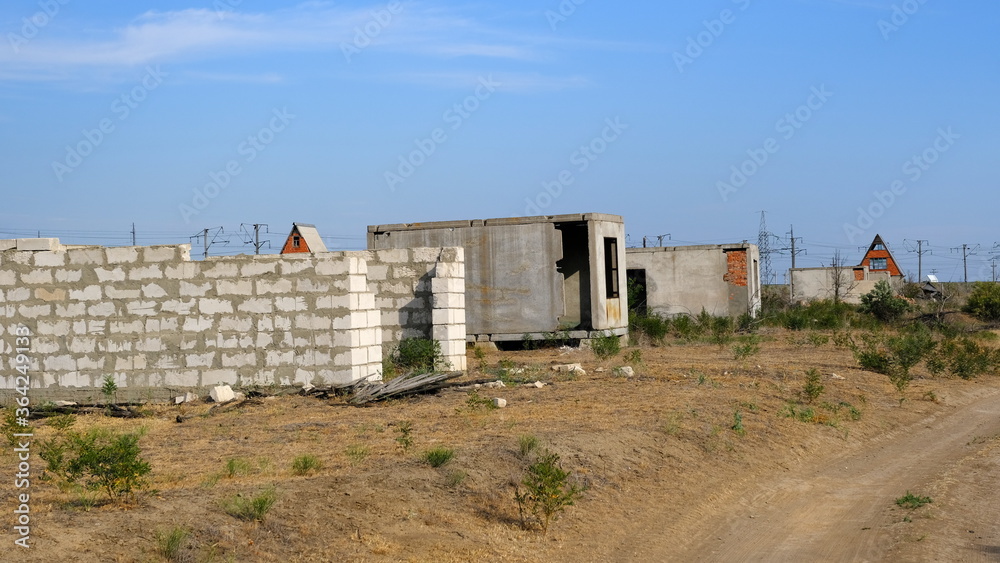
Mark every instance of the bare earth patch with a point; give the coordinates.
(699, 457)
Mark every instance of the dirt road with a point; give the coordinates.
(843, 509)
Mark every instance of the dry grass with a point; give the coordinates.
(662, 438)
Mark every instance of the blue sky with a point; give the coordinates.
(844, 118)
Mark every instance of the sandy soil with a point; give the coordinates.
(668, 476)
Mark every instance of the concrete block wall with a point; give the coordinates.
(153, 319)
(403, 282)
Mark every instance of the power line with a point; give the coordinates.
(965, 257)
(920, 254)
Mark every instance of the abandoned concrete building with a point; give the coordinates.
(720, 279)
(845, 282)
(531, 275)
(158, 322)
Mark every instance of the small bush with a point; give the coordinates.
(749, 347)
(251, 508)
(303, 464)
(813, 388)
(912, 501)
(476, 402)
(984, 302)
(109, 389)
(633, 357)
(883, 304)
(456, 477)
(101, 459)
(547, 490)
(684, 327)
(357, 452)
(405, 438)
(238, 467)
(418, 354)
(606, 346)
(653, 327)
(966, 358)
(169, 544)
(526, 444)
(738, 424)
(439, 456)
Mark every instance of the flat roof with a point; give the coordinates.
(496, 222)
(679, 248)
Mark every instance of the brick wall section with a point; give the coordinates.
(405, 291)
(736, 267)
(153, 319)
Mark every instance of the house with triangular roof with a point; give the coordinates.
(845, 282)
(303, 238)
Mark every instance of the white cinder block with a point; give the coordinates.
(50, 259)
(449, 332)
(448, 316)
(178, 306)
(159, 253)
(114, 275)
(306, 285)
(145, 273)
(219, 270)
(182, 271)
(449, 300)
(85, 256)
(89, 293)
(218, 377)
(258, 267)
(21, 294)
(234, 287)
(449, 270)
(67, 276)
(199, 360)
(189, 289)
(82, 345)
(282, 285)
(357, 283)
(214, 306)
(71, 310)
(37, 277)
(105, 309)
(115, 293)
(197, 324)
(447, 285)
(38, 244)
(153, 291)
(122, 255)
(144, 308)
(289, 304)
(259, 305)
(7, 278)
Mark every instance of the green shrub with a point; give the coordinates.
(100, 459)
(912, 501)
(738, 424)
(169, 544)
(684, 327)
(109, 390)
(984, 302)
(253, 508)
(606, 346)
(303, 464)
(547, 490)
(883, 304)
(526, 444)
(654, 327)
(813, 388)
(749, 346)
(633, 357)
(439, 456)
(238, 467)
(405, 438)
(966, 358)
(418, 354)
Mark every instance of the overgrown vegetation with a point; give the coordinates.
(304, 464)
(414, 355)
(606, 346)
(99, 460)
(813, 388)
(253, 508)
(169, 543)
(984, 302)
(883, 303)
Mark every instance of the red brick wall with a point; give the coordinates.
(890, 263)
(736, 266)
(289, 248)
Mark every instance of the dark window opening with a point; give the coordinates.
(636, 279)
(295, 241)
(879, 246)
(611, 267)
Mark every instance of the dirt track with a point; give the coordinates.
(842, 509)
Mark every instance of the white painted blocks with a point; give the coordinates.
(448, 317)
(448, 332)
(448, 285)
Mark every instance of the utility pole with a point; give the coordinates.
(791, 248)
(764, 246)
(255, 241)
(133, 234)
(204, 235)
(659, 239)
(920, 256)
(966, 252)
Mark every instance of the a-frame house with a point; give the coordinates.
(303, 238)
(879, 259)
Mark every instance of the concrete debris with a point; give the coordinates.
(222, 394)
(185, 398)
(624, 371)
(64, 403)
(600, 370)
(538, 384)
(307, 388)
(494, 385)
(239, 396)
(499, 403)
(835, 376)
(575, 369)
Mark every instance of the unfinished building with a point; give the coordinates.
(720, 279)
(531, 275)
(157, 322)
(845, 282)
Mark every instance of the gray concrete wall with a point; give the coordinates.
(154, 320)
(517, 270)
(723, 280)
(814, 284)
